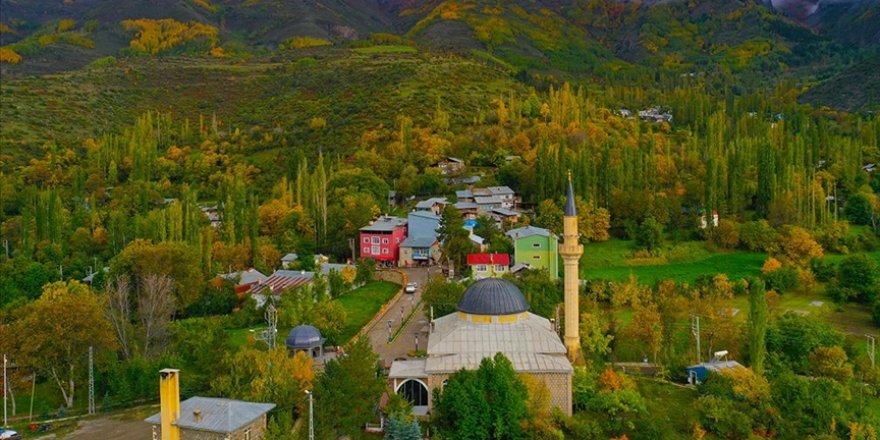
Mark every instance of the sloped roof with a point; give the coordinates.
(418, 242)
(249, 276)
(570, 208)
(466, 205)
(303, 336)
(290, 257)
(464, 194)
(488, 259)
(529, 343)
(326, 268)
(528, 231)
(501, 191)
(505, 212)
(385, 224)
(488, 200)
(429, 203)
(217, 415)
(404, 369)
(283, 279)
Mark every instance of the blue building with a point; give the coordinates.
(421, 247)
(697, 374)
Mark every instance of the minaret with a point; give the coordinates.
(571, 251)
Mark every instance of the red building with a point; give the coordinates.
(381, 240)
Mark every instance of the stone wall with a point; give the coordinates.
(256, 429)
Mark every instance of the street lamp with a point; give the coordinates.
(389, 330)
(417, 342)
(311, 414)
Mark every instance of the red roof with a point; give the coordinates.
(281, 280)
(503, 259)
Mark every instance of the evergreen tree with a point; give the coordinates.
(758, 320)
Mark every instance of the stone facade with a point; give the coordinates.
(254, 431)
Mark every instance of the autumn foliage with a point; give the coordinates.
(8, 55)
(154, 36)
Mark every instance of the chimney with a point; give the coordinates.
(197, 415)
(169, 403)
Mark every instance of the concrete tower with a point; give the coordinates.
(571, 251)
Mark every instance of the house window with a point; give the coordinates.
(374, 250)
(384, 241)
(385, 251)
(499, 268)
(536, 257)
(375, 240)
(481, 268)
(366, 250)
(536, 245)
(366, 239)
(397, 239)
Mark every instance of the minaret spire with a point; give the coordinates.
(571, 251)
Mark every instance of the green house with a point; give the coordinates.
(536, 248)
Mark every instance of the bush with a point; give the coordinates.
(726, 234)
(781, 280)
(650, 235)
(875, 313)
(859, 210)
(756, 236)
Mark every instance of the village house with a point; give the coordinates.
(503, 215)
(449, 165)
(488, 265)
(421, 246)
(381, 239)
(653, 114)
(243, 280)
(469, 210)
(288, 260)
(434, 204)
(537, 247)
(205, 418)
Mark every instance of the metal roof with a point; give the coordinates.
(418, 242)
(217, 415)
(464, 194)
(283, 279)
(385, 224)
(570, 208)
(505, 212)
(326, 268)
(717, 366)
(429, 203)
(304, 336)
(530, 343)
(408, 368)
(466, 205)
(488, 200)
(493, 296)
(501, 190)
(503, 259)
(290, 257)
(528, 231)
(244, 277)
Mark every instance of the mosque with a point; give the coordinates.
(493, 316)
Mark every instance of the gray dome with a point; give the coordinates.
(493, 296)
(302, 337)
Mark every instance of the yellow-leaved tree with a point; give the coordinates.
(154, 36)
(54, 333)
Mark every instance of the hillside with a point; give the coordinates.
(338, 85)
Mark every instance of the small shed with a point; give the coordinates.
(698, 373)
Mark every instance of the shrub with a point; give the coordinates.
(756, 236)
(650, 235)
(726, 234)
(782, 279)
(859, 210)
(858, 275)
(154, 36)
(8, 55)
(303, 42)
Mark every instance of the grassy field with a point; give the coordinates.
(682, 262)
(362, 304)
(386, 49)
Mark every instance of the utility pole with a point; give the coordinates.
(872, 349)
(5, 421)
(695, 328)
(91, 380)
(311, 415)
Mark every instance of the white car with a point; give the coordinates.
(410, 288)
(6, 434)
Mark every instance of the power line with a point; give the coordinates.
(695, 328)
(872, 347)
(91, 380)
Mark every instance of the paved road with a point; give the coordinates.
(406, 340)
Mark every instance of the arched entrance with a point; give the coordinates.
(414, 391)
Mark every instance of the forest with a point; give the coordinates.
(749, 215)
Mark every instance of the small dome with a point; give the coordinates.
(493, 296)
(303, 337)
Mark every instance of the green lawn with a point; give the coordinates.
(736, 265)
(362, 304)
(386, 49)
